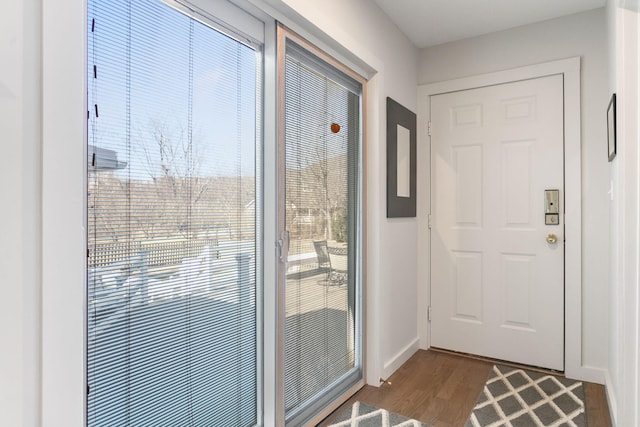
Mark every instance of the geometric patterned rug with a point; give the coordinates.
(362, 415)
(519, 398)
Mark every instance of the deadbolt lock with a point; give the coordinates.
(551, 207)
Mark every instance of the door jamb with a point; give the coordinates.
(570, 69)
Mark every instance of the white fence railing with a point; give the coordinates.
(158, 252)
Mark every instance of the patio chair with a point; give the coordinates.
(322, 254)
(339, 265)
(334, 260)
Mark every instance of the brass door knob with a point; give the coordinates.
(552, 238)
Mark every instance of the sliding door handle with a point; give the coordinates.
(283, 246)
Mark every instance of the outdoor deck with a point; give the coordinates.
(136, 303)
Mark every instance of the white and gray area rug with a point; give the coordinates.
(362, 415)
(520, 398)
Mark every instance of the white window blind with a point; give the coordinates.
(322, 198)
(172, 219)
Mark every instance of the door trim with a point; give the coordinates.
(570, 69)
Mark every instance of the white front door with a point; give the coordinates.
(497, 277)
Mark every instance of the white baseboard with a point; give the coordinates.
(402, 356)
(586, 373)
(611, 398)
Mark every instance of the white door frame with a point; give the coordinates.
(570, 68)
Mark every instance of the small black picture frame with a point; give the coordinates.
(401, 161)
(611, 128)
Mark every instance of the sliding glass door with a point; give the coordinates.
(321, 219)
(173, 217)
(187, 322)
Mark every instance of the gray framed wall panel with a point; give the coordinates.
(401, 161)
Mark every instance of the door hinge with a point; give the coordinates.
(429, 221)
(429, 313)
(429, 128)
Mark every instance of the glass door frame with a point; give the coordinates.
(236, 20)
(322, 408)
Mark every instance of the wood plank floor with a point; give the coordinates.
(441, 389)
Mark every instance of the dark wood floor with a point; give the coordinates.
(441, 389)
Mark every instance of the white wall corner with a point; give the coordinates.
(626, 369)
(374, 201)
(63, 234)
(398, 360)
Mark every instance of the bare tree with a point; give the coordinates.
(173, 165)
(318, 186)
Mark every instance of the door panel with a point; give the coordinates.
(321, 214)
(174, 260)
(497, 284)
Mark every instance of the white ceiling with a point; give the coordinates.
(433, 22)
